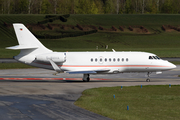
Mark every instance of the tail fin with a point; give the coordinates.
(27, 41)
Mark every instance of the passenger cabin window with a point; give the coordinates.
(122, 59)
(105, 59)
(117, 59)
(91, 59)
(114, 59)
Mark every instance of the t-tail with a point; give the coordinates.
(29, 45)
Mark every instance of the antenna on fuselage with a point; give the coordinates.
(113, 50)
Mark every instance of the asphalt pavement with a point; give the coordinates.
(53, 99)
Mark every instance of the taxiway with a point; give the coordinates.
(52, 99)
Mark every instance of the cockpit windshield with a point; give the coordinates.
(150, 57)
(157, 57)
(154, 57)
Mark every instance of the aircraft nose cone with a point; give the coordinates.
(172, 66)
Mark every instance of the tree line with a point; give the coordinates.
(89, 6)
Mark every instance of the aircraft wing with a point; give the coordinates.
(87, 71)
(57, 69)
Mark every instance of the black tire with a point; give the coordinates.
(86, 80)
(148, 80)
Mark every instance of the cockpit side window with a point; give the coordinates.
(157, 57)
(154, 57)
(150, 57)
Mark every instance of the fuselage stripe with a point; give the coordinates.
(112, 66)
(106, 65)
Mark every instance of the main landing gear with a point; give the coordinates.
(148, 79)
(86, 78)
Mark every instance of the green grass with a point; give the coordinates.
(146, 103)
(175, 62)
(127, 20)
(164, 44)
(21, 18)
(14, 65)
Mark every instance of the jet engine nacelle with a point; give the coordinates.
(55, 56)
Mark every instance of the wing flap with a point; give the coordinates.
(87, 71)
(81, 72)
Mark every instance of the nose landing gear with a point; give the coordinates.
(148, 79)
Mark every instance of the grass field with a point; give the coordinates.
(146, 103)
(167, 47)
(14, 66)
(164, 44)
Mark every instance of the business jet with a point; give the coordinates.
(34, 53)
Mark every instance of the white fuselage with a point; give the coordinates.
(116, 62)
(34, 53)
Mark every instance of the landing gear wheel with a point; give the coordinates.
(148, 80)
(86, 78)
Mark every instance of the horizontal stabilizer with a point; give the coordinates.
(21, 47)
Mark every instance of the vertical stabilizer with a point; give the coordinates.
(27, 41)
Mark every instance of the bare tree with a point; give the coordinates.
(136, 5)
(157, 5)
(142, 6)
(55, 6)
(2, 6)
(5, 6)
(40, 4)
(8, 6)
(117, 7)
(29, 6)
